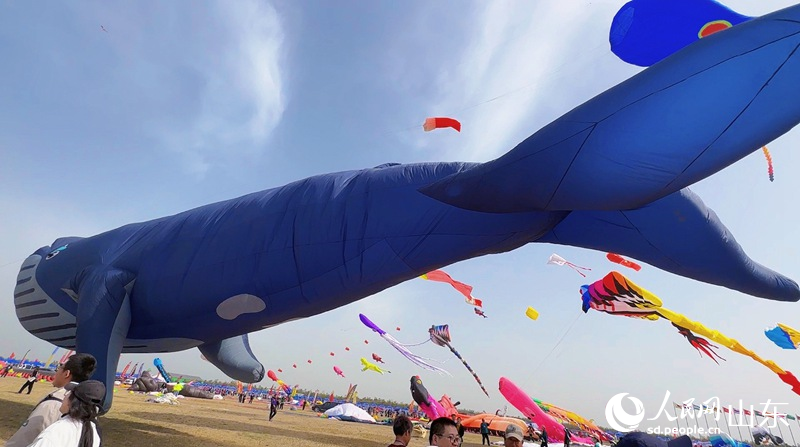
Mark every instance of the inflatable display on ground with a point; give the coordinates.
(349, 412)
(609, 175)
(146, 383)
(522, 402)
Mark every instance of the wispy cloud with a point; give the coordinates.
(500, 83)
(242, 98)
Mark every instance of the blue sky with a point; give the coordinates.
(180, 104)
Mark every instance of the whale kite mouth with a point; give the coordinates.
(37, 312)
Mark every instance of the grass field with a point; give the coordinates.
(205, 423)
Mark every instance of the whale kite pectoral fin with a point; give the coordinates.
(103, 319)
(234, 357)
(679, 234)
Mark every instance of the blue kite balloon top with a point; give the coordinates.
(646, 31)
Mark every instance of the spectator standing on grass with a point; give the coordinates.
(78, 368)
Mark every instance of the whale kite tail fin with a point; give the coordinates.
(678, 234)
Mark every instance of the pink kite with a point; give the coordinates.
(338, 371)
(464, 289)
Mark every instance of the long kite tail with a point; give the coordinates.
(770, 171)
(477, 379)
(702, 345)
(417, 360)
(730, 343)
(414, 358)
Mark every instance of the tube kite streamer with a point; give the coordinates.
(271, 374)
(464, 289)
(415, 359)
(529, 408)
(770, 171)
(613, 257)
(784, 336)
(558, 260)
(440, 335)
(441, 122)
(617, 295)
(371, 366)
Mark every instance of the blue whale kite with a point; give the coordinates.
(609, 175)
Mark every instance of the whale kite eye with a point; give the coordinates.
(58, 250)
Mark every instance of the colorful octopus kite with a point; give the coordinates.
(617, 295)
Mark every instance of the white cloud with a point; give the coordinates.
(519, 68)
(243, 98)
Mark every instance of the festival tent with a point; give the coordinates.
(349, 412)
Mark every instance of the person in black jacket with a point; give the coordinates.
(31, 380)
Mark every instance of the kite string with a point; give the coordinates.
(559, 342)
(550, 77)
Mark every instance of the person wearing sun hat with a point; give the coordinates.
(77, 368)
(78, 426)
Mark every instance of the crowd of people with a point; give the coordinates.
(67, 417)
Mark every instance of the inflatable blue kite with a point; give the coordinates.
(645, 31)
(610, 175)
(784, 336)
(160, 366)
